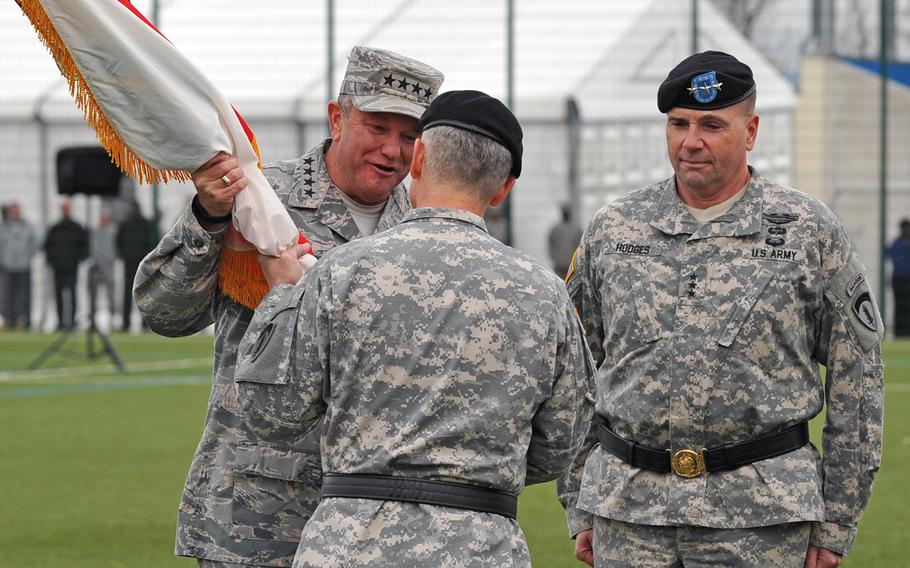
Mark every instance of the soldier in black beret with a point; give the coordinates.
(444, 370)
(709, 300)
(706, 81)
(709, 100)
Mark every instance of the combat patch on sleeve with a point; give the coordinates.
(261, 341)
(849, 291)
(264, 354)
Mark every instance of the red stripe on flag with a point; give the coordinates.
(246, 129)
(131, 8)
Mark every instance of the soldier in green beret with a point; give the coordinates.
(709, 301)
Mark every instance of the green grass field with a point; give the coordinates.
(92, 461)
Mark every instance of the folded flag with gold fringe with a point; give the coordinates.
(159, 118)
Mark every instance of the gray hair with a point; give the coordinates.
(345, 101)
(466, 159)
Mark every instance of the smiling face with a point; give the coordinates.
(370, 153)
(708, 149)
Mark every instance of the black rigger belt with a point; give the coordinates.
(411, 490)
(692, 463)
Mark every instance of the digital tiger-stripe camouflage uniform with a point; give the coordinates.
(428, 354)
(712, 334)
(246, 500)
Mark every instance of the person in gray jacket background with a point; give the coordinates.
(18, 245)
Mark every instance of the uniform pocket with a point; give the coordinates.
(634, 301)
(276, 490)
(742, 306)
(780, 489)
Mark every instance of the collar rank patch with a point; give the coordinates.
(705, 87)
(864, 309)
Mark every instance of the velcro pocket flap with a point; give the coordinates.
(742, 307)
(265, 352)
(265, 460)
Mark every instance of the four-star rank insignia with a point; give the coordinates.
(407, 85)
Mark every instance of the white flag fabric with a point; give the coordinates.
(161, 117)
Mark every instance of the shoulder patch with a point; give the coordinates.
(849, 291)
(855, 283)
(261, 341)
(864, 308)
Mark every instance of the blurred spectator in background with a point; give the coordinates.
(18, 244)
(103, 255)
(562, 242)
(65, 246)
(134, 241)
(900, 280)
(4, 215)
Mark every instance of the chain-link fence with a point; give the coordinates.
(582, 76)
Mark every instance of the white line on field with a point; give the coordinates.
(58, 372)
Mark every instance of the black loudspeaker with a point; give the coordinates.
(87, 170)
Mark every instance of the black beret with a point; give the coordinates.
(478, 113)
(705, 81)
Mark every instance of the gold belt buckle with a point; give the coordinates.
(687, 463)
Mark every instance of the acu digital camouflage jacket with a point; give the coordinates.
(713, 334)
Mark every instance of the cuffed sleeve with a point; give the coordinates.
(176, 284)
(832, 536)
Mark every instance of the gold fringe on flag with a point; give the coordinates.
(124, 158)
(241, 278)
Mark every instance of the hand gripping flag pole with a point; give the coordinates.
(159, 119)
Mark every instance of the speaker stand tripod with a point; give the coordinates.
(107, 348)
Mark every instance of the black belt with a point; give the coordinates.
(431, 492)
(691, 463)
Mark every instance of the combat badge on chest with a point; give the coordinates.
(776, 238)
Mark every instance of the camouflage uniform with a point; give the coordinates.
(705, 335)
(245, 500)
(429, 351)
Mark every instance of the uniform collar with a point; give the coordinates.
(445, 213)
(314, 189)
(744, 218)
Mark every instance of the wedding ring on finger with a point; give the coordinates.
(226, 180)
